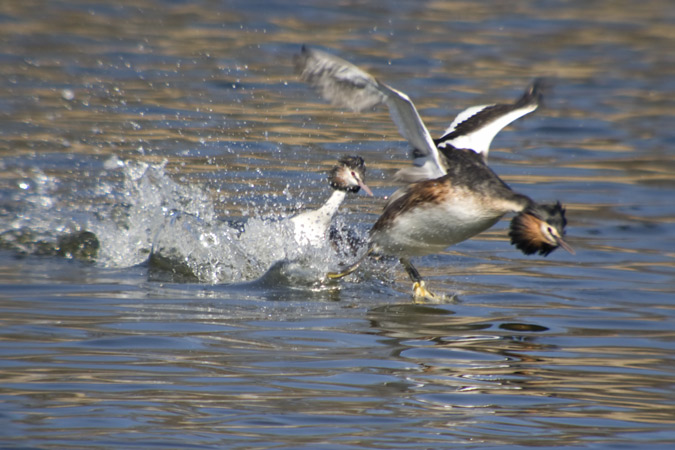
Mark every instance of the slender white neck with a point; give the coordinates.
(333, 203)
(312, 226)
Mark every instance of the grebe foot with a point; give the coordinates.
(349, 269)
(422, 294)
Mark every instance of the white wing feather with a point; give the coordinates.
(480, 139)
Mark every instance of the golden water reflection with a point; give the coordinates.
(537, 351)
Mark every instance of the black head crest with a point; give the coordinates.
(349, 174)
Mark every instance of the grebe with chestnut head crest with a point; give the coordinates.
(453, 195)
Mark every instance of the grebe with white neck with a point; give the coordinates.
(311, 227)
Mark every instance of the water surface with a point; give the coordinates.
(182, 124)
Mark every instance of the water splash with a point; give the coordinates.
(147, 196)
(217, 252)
(138, 213)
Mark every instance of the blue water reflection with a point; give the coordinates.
(117, 118)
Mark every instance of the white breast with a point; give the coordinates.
(430, 229)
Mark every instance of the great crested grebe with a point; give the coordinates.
(453, 195)
(311, 227)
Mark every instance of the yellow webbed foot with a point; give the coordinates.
(421, 293)
(348, 269)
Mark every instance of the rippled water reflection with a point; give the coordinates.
(181, 120)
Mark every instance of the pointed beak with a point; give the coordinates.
(565, 245)
(367, 190)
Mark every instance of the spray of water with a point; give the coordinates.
(139, 214)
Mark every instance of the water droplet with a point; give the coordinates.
(67, 94)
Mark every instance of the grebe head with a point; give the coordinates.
(540, 229)
(349, 175)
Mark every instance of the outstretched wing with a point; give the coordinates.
(339, 81)
(476, 127)
(344, 84)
